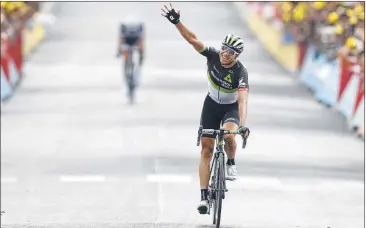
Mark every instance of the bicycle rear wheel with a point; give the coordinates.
(219, 189)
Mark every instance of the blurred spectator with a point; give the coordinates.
(336, 28)
(4, 24)
(14, 17)
(5, 27)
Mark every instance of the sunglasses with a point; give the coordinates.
(228, 50)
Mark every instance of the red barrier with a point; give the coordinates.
(11, 64)
(4, 61)
(360, 92)
(346, 74)
(17, 53)
(302, 52)
(351, 95)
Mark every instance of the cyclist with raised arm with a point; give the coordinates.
(225, 103)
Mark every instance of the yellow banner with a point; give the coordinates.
(286, 54)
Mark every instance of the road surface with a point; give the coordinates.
(75, 154)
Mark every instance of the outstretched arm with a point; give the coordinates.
(243, 106)
(189, 36)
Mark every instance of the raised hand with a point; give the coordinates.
(171, 14)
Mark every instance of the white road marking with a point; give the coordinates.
(82, 178)
(9, 180)
(168, 178)
(160, 201)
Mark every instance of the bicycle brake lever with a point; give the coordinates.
(199, 138)
(244, 143)
(199, 135)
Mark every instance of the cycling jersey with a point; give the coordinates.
(224, 83)
(131, 34)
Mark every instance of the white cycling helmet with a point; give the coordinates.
(234, 42)
(132, 20)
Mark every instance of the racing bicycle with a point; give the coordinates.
(217, 186)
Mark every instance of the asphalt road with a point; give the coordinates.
(75, 154)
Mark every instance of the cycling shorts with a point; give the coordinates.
(214, 115)
(132, 40)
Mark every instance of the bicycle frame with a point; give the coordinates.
(130, 68)
(219, 153)
(218, 188)
(129, 62)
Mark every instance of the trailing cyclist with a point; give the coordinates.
(131, 33)
(225, 103)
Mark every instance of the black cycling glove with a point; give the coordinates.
(243, 131)
(171, 15)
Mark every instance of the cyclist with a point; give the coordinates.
(131, 32)
(225, 103)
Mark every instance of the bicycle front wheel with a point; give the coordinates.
(213, 190)
(219, 190)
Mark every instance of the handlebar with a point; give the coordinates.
(213, 131)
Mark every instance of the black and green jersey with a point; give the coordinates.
(224, 83)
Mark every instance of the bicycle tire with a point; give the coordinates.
(130, 81)
(219, 189)
(213, 191)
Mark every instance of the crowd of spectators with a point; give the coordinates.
(14, 17)
(335, 28)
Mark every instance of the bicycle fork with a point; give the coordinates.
(223, 167)
(212, 189)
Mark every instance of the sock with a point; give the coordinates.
(230, 162)
(204, 194)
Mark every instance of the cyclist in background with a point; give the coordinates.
(131, 33)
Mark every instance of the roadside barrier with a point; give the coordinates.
(338, 84)
(17, 47)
